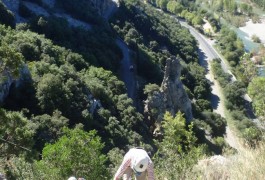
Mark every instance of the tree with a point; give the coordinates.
(256, 91)
(255, 38)
(16, 131)
(50, 93)
(48, 128)
(162, 4)
(76, 153)
(149, 89)
(243, 8)
(234, 93)
(197, 20)
(177, 153)
(174, 7)
(246, 70)
(203, 105)
(64, 90)
(11, 60)
(216, 122)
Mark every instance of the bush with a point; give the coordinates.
(217, 123)
(255, 38)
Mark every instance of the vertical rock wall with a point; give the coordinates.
(5, 83)
(175, 97)
(170, 97)
(103, 6)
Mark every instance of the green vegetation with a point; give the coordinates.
(81, 10)
(260, 3)
(11, 60)
(234, 12)
(230, 46)
(76, 153)
(97, 46)
(256, 92)
(255, 38)
(168, 38)
(234, 92)
(67, 112)
(178, 145)
(57, 90)
(246, 70)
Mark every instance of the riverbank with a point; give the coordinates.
(255, 29)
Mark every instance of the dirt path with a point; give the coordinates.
(216, 99)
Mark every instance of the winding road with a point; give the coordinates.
(206, 54)
(127, 76)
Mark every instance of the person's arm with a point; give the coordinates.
(125, 164)
(150, 171)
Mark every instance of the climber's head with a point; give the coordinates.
(72, 178)
(140, 164)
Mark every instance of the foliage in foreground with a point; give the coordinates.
(77, 153)
(177, 153)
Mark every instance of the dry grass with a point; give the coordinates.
(247, 164)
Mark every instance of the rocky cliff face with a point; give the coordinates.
(175, 97)
(5, 84)
(7, 80)
(170, 97)
(104, 7)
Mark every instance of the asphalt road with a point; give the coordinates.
(127, 76)
(208, 53)
(206, 46)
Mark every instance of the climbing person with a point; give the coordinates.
(136, 161)
(2, 177)
(72, 178)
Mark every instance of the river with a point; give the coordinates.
(250, 46)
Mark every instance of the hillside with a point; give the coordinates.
(83, 82)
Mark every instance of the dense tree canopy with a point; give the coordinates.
(178, 145)
(16, 131)
(67, 112)
(11, 60)
(76, 153)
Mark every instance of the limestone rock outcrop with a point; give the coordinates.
(171, 96)
(5, 84)
(6, 80)
(104, 6)
(175, 97)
